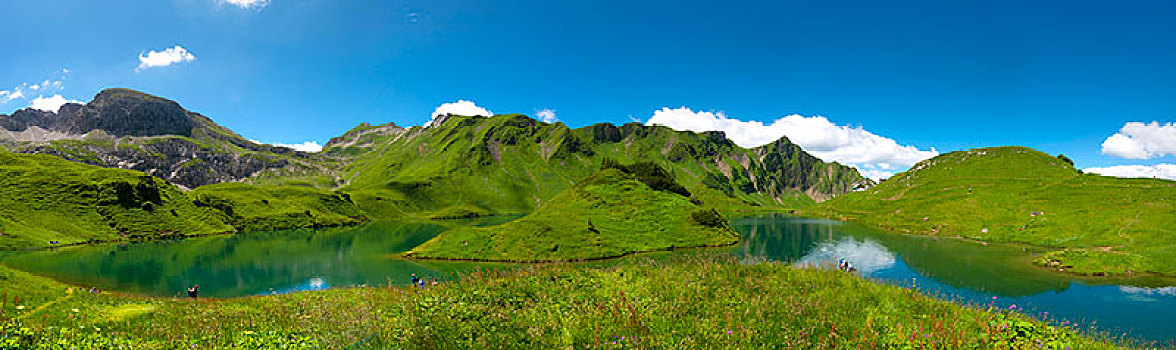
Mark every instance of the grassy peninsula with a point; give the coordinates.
(1098, 225)
(689, 303)
(616, 211)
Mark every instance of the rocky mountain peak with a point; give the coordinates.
(119, 112)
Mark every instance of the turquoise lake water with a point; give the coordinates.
(279, 262)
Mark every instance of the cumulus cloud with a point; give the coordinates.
(547, 115)
(246, 4)
(51, 103)
(165, 58)
(461, 107)
(1158, 171)
(1138, 140)
(308, 146)
(874, 156)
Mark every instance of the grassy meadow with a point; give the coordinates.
(1096, 225)
(687, 303)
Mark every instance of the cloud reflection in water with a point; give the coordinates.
(868, 256)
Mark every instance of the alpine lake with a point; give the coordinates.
(973, 273)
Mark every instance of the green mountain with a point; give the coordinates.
(457, 167)
(127, 129)
(514, 164)
(616, 211)
(1100, 225)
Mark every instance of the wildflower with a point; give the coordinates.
(728, 332)
(20, 307)
(1014, 306)
(74, 310)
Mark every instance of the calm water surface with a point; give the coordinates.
(278, 262)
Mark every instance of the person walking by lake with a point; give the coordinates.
(416, 281)
(194, 291)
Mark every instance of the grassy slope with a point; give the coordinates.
(513, 164)
(267, 208)
(1106, 225)
(49, 199)
(697, 303)
(609, 214)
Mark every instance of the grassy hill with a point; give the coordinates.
(689, 304)
(46, 199)
(1099, 225)
(271, 207)
(616, 211)
(514, 164)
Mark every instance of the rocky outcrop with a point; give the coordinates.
(128, 129)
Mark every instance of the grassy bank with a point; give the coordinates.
(689, 303)
(1097, 225)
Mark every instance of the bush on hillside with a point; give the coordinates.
(650, 173)
(709, 218)
(1066, 159)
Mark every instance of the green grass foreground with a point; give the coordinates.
(689, 303)
(1097, 225)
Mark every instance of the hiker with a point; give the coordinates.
(845, 265)
(416, 281)
(192, 292)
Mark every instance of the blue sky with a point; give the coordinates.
(1062, 77)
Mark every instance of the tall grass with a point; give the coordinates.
(675, 303)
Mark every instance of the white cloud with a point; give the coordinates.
(547, 115)
(51, 103)
(1159, 171)
(165, 58)
(47, 86)
(246, 4)
(461, 107)
(308, 146)
(874, 156)
(1138, 140)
